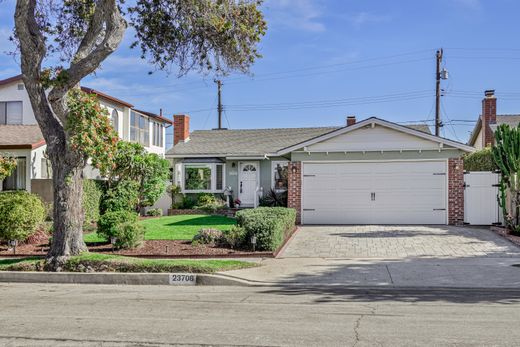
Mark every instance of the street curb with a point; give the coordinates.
(114, 278)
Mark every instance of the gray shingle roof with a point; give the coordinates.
(510, 119)
(20, 136)
(251, 142)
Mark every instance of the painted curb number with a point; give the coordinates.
(183, 279)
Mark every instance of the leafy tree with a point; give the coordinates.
(205, 35)
(149, 172)
(506, 153)
(480, 161)
(7, 166)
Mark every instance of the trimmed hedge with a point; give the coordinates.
(92, 193)
(480, 161)
(20, 215)
(270, 225)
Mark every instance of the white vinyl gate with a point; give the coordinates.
(481, 198)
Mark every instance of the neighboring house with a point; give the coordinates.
(483, 133)
(369, 172)
(20, 134)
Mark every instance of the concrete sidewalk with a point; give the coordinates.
(409, 272)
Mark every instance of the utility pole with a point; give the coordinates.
(438, 123)
(219, 108)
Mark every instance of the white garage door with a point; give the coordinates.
(408, 192)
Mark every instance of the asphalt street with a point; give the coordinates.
(103, 315)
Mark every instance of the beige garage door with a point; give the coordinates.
(396, 192)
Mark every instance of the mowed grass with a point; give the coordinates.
(114, 263)
(182, 227)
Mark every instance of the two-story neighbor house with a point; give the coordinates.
(20, 134)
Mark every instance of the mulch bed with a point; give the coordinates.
(149, 249)
(504, 232)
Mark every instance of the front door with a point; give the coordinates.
(248, 182)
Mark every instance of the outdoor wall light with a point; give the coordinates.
(294, 169)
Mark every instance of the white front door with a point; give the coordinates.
(248, 178)
(407, 192)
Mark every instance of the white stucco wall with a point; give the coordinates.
(10, 92)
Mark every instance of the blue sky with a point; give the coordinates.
(326, 59)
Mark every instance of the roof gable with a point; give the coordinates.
(375, 134)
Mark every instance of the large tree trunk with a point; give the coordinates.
(67, 237)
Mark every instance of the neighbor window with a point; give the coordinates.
(157, 134)
(202, 177)
(280, 173)
(139, 129)
(115, 120)
(17, 179)
(11, 112)
(46, 168)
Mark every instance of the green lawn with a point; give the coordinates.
(182, 227)
(115, 263)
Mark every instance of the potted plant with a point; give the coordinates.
(237, 203)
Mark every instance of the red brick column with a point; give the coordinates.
(294, 189)
(455, 191)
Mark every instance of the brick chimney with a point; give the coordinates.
(351, 120)
(489, 117)
(181, 128)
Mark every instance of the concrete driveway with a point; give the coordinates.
(392, 256)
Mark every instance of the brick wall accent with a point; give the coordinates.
(181, 128)
(455, 191)
(489, 116)
(294, 191)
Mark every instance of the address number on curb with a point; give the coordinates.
(183, 279)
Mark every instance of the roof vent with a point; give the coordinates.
(20, 86)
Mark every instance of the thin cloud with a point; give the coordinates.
(304, 15)
(360, 19)
(474, 5)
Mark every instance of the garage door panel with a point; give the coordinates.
(405, 193)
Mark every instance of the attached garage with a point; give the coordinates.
(379, 192)
(377, 172)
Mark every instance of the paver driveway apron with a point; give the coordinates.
(395, 256)
(397, 242)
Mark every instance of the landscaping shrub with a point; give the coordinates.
(154, 212)
(128, 235)
(209, 203)
(208, 237)
(188, 202)
(480, 161)
(274, 199)
(109, 222)
(21, 213)
(270, 225)
(91, 200)
(121, 197)
(236, 237)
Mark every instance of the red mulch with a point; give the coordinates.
(152, 249)
(504, 232)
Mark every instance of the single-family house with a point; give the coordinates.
(367, 172)
(20, 134)
(483, 132)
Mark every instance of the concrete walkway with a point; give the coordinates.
(387, 256)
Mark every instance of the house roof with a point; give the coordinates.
(106, 96)
(372, 121)
(512, 120)
(156, 116)
(256, 142)
(20, 137)
(10, 80)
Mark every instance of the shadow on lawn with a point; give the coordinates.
(207, 221)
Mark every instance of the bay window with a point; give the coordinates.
(200, 177)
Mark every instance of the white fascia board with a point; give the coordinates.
(376, 121)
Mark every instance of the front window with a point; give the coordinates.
(11, 112)
(157, 134)
(17, 179)
(200, 177)
(280, 172)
